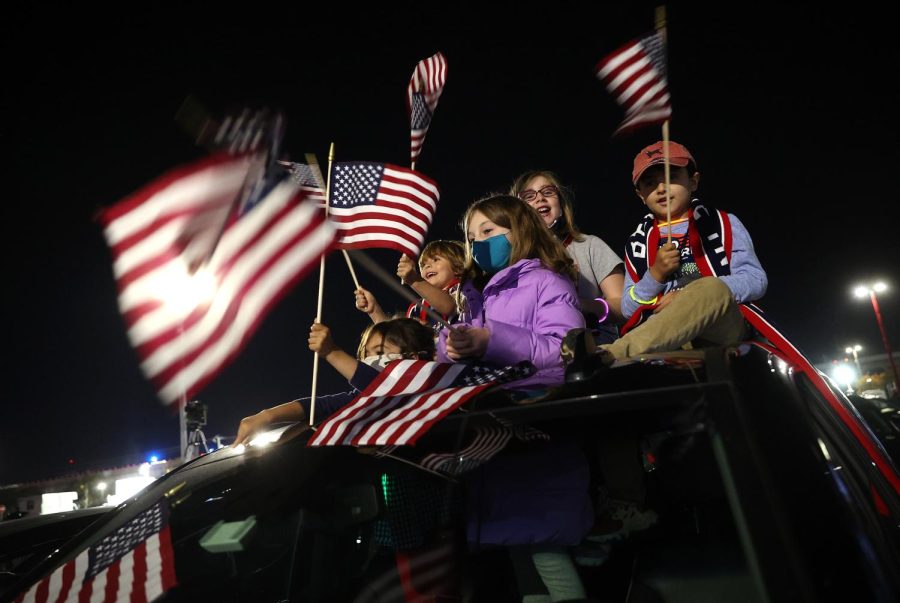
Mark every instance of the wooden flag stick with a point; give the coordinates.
(665, 129)
(381, 274)
(312, 397)
(661, 28)
(350, 266)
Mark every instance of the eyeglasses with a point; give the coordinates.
(529, 195)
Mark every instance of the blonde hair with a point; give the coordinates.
(452, 251)
(565, 197)
(530, 237)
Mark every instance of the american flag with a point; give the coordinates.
(407, 399)
(134, 563)
(636, 76)
(425, 87)
(309, 178)
(381, 205)
(486, 443)
(187, 316)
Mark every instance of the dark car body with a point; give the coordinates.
(769, 487)
(27, 541)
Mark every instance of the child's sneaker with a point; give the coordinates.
(591, 554)
(621, 519)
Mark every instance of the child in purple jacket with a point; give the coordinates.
(518, 291)
(519, 301)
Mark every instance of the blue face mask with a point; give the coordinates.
(492, 255)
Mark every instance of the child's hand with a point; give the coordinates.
(406, 270)
(667, 262)
(467, 342)
(666, 299)
(320, 339)
(365, 301)
(250, 426)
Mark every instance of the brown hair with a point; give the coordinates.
(530, 237)
(452, 251)
(565, 197)
(413, 338)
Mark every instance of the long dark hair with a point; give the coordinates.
(414, 339)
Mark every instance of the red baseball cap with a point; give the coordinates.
(653, 154)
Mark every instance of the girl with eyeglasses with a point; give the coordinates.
(601, 273)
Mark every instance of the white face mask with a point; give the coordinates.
(381, 361)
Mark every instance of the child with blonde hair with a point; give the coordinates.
(437, 281)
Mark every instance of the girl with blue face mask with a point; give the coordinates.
(519, 302)
(518, 290)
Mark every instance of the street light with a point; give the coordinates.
(845, 375)
(879, 287)
(854, 349)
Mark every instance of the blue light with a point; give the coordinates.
(154, 458)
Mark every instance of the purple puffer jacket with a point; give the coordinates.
(528, 310)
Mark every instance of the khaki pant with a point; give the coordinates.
(704, 312)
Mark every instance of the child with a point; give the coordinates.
(665, 280)
(519, 302)
(600, 270)
(440, 266)
(380, 343)
(518, 291)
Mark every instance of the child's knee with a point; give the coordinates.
(712, 289)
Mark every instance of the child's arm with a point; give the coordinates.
(289, 411)
(366, 302)
(748, 280)
(320, 341)
(442, 302)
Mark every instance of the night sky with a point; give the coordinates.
(790, 114)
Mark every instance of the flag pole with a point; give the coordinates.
(312, 398)
(350, 266)
(661, 28)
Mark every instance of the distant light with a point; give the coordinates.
(240, 448)
(880, 287)
(782, 366)
(844, 374)
(154, 459)
(853, 348)
(861, 291)
(101, 486)
(71, 461)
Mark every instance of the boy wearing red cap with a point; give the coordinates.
(666, 300)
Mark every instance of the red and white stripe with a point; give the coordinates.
(484, 446)
(403, 402)
(630, 76)
(142, 575)
(428, 78)
(188, 323)
(403, 211)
